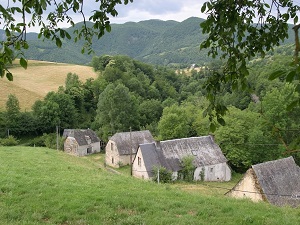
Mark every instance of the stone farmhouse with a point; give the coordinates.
(276, 182)
(209, 161)
(81, 142)
(122, 146)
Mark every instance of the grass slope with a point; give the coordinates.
(38, 79)
(43, 186)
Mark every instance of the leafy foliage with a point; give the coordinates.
(9, 141)
(161, 173)
(187, 168)
(31, 14)
(236, 36)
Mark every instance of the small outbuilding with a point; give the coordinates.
(276, 182)
(122, 147)
(81, 142)
(209, 161)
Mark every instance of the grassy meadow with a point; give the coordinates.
(44, 186)
(38, 79)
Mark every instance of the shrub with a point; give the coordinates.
(165, 176)
(9, 141)
(188, 168)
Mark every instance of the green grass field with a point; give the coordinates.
(44, 186)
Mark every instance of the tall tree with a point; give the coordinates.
(246, 140)
(12, 106)
(12, 113)
(117, 110)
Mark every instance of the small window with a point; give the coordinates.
(211, 170)
(89, 150)
(112, 160)
(139, 161)
(111, 146)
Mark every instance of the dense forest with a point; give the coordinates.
(168, 43)
(171, 104)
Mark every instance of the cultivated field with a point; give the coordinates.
(38, 79)
(44, 186)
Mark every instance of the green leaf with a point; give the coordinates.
(221, 121)
(212, 127)
(58, 42)
(23, 63)
(108, 28)
(9, 76)
(292, 105)
(290, 76)
(68, 35)
(203, 8)
(295, 19)
(276, 74)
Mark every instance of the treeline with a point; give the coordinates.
(131, 94)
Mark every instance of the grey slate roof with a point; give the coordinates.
(81, 135)
(153, 156)
(280, 181)
(170, 153)
(124, 144)
(204, 148)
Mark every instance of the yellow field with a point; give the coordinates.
(38, 79)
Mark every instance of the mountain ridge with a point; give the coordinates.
(151, 41)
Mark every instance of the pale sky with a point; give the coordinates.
(140, 10)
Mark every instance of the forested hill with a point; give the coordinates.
(152, 41)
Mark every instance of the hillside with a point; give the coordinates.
(38, 79)
(44, 186)
(151, 41)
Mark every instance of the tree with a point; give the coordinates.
(57, 109)
(187, 168)
(48, 15)
(12, 112)
(174, 123)
(12, 105)
(238, 31)
(117, 110)
(246, 139)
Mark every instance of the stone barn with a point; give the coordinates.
(209, 161)
(81, 142)
(121, 145)
(276, 182)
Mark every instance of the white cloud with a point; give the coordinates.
(177, 10)
(140, 10)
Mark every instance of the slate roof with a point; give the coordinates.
(124, 143)
(204, 148)
(153, 156)
(169, 153)
(280, 181)
(81, 135)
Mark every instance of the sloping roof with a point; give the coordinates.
(280, 181)
(153, 156)
(127, 140)
(82, 135)
(205, 150)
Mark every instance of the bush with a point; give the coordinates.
(48, 140)
(38, 142)
(165, 176)
(188, 168)
(9, 141)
